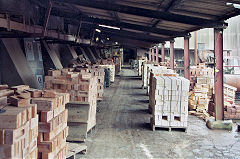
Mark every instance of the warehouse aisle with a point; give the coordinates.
(123, 129)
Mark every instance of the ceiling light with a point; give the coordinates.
(234, 5)
(111, 27)
(98, 30)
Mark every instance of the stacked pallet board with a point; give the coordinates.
(169, 102)
(82, 87)
(19, 124)
(53, 129)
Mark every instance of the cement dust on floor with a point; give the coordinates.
(123, 129)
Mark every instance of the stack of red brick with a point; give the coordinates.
(19, 123)
(53, 129)
(231, 109)
(99, 73)
(80, 85)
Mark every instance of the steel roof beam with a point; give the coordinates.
(147, 13)
(95, 20)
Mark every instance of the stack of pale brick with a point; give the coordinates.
(157, 71)
(145, 73)
(19, 124)
(200, 71)
(99, 73)
(112, 71)
(169, 101)
(202, 82)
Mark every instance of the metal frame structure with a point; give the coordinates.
(134, 23)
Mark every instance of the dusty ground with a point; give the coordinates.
(123, 130)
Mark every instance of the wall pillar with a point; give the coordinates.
(172, 54)
(163, 52)
(186, 58)
(157, 61)
(219, 96)
(153, 55)
(150, 55)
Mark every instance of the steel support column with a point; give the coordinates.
(150, 55)
(195, 49)
(218, 50)
(163, 52)
(172, 55)
(47, 16)
(186, 58)
(153, 55)
(157, 61)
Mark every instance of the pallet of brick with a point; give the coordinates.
(53, 129)
(99, 73)
(112, 71)
(231, 109)
(145, 74)
(169, 98)
(232, 112)
(140, 67)
(200, 71)
(19, 131)
(157, 71)
(229, 93)
(80, 85)
(107, 82)
(82, 118)
(5, 92)
(199, 99)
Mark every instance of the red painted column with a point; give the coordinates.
(157, 61)
(149, 55)
(186, 58)
(163, 52)
(172, 54)
(153, 55)
(219, 99)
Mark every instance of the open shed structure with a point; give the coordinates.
(132, 23)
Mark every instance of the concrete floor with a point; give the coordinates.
(123, 129)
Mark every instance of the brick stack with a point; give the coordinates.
(169, 100)
(157, 71)
(100, 74)
(112, 71)
(201, 94)
(140, 67)
(53, 129)
(231, 109)
(145, 74)
(82, 87)
(198, 72)
(19, 124)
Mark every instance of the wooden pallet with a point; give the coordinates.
(74, 148)
(169, 128)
